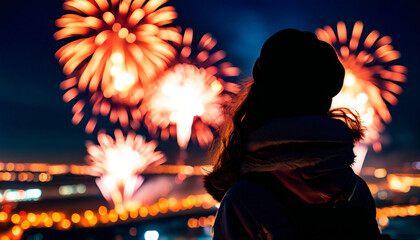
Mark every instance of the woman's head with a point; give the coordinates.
(296, 74)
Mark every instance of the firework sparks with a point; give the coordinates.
(91, 106)
(370, 79)
(119, 162)
(188, 98)
(371, 76)
(184, 93)
(120, 47)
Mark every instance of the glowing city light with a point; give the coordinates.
(54, 169)
(66, 190)
(120, 47)
(380, 173)
(12, 195)
(201, 222)
(187, 100)
(151, 235)
(91, 218)
(119, 162)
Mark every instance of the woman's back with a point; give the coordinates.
(258, 207)
(297, 183)
(283, 162)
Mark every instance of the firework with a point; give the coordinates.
(371, 76)
(188, 99)
(120, 46)
(92, 105)
(119, 163)
(370, 80)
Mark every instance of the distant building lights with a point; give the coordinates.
(151, 235)
(66, 190)
(11, 195)
(33, 194)
(416, 165)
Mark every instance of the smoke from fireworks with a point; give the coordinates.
(370, 79)
(189, 97)
(119, 162)
(120, 46)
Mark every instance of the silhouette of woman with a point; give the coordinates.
(282, 164)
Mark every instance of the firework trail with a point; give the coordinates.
(371, 77)
(119, 163)
(117, 48)
(188, 99)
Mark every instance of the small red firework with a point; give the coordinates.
(189, 97)
(371, 77)
(120, 46)
(119, 164)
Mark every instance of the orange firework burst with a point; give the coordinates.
(91, 105)
(119, 162)
(120, 47)
(189, 97)
(371, 76)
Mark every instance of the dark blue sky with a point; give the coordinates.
(36, 124)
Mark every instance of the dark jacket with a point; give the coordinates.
(297, 183)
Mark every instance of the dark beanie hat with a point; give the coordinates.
(297, 69)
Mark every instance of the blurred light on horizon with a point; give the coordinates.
(12, 195)
(201, 222)
(403, 182)
(380, 173)
(416, 165)
(151, 235)
(53, 169)
(103, 216)
(66, 190)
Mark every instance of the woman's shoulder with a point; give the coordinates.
(256, 207)
(249, 189)
(243, 187)
(260, 187)
(254, 195)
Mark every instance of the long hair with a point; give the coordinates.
(247, 113)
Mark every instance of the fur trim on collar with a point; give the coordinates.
(297, 142)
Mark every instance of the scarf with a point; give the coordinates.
(310, 155)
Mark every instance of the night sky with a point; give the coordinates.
(35, 124)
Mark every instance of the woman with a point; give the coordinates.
(282, 165)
